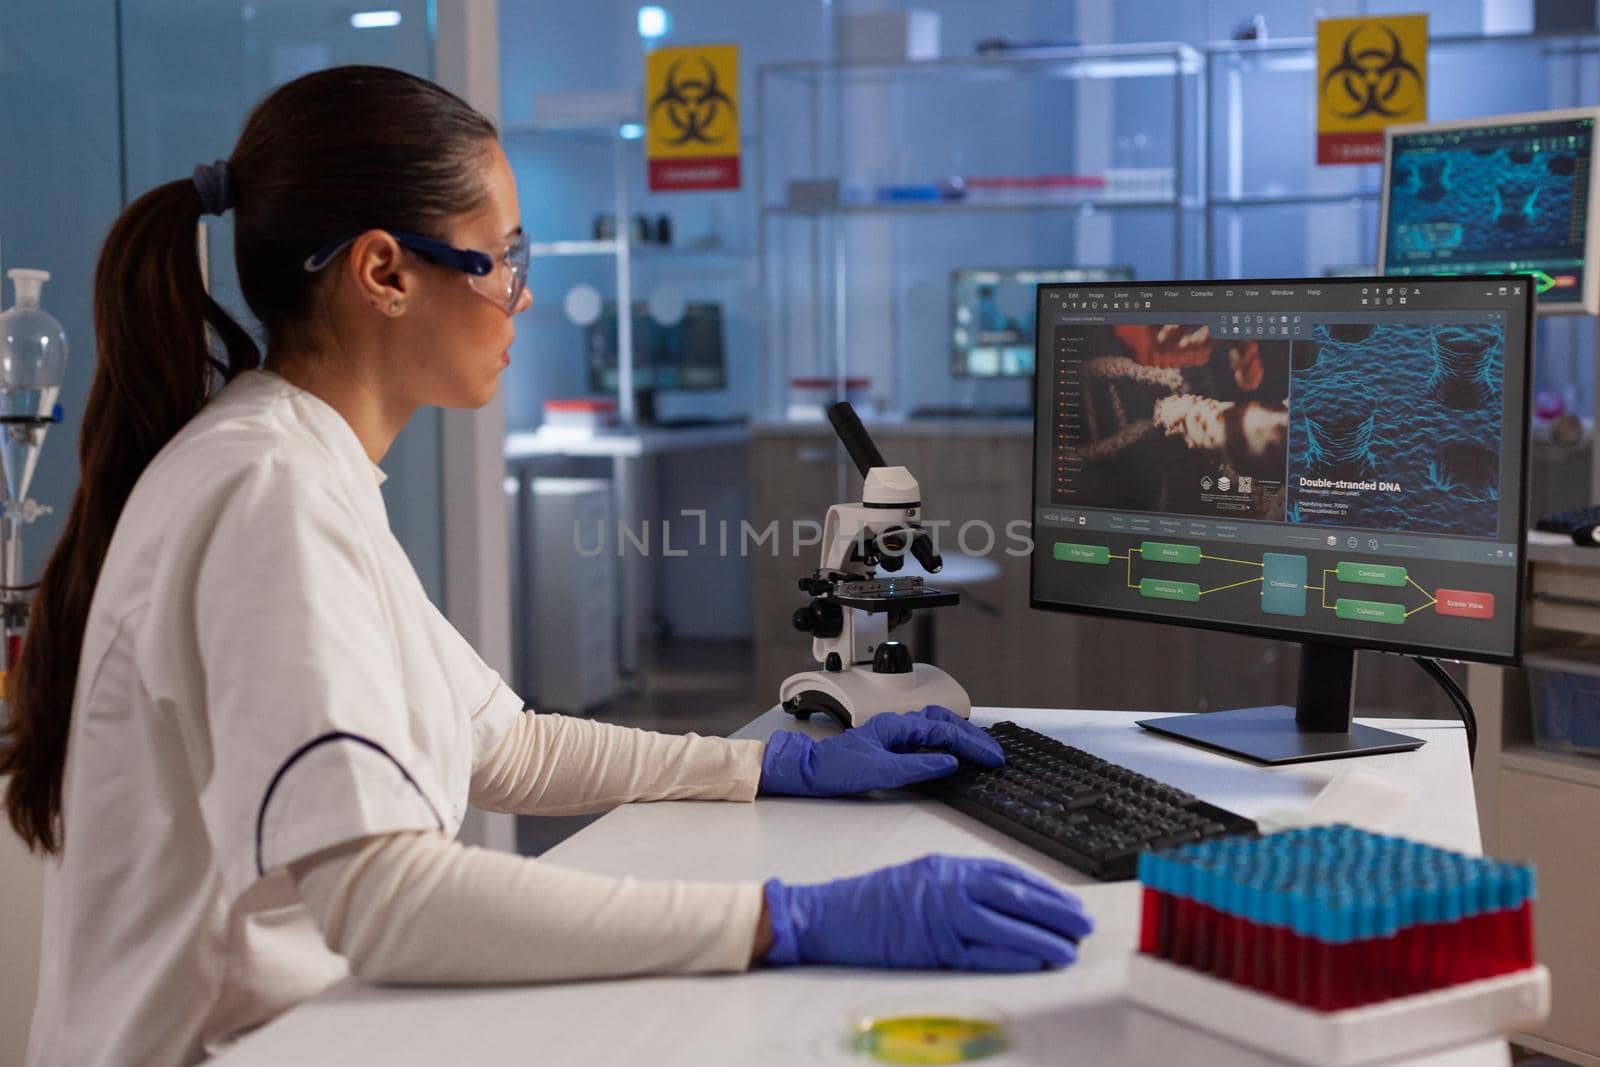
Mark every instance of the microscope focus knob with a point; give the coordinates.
(820, 618)
(892, 657)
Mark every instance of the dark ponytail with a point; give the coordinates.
(332, 153)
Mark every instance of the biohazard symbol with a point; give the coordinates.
(1375, 80)
(693, 105)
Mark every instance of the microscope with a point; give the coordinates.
(853, 610)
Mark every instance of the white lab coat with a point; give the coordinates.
(262, 677)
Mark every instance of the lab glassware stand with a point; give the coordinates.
(33, 360)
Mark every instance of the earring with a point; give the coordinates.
(395, 306)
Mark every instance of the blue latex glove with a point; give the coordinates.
(938, 911)
(883, 754)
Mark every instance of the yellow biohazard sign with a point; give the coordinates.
(1371, 73)
(691, 117)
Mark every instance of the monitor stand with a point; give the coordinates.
(1318, 727)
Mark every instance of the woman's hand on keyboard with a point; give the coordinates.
(886, 753)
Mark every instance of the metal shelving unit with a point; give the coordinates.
(834, 274)
(1086, 207)
(607, 133)
(629, 256)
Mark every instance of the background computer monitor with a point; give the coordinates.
(991, 316)
(1340, 463)
(1511, 194)
(686, 355)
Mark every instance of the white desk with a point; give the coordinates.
(633, 497)
(799, 1015)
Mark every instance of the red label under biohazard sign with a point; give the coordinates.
(706, 172)
(1350, 147)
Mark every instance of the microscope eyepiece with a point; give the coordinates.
(923, 551)
(892, 547)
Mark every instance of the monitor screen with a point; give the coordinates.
(1490, 196)
(1338, 461)
(991, 316)
(685, 355)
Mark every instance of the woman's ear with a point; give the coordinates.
(377, 266)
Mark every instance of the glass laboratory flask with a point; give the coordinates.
(33, 359)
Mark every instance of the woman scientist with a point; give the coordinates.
(239, 722)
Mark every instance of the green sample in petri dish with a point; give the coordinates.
(928, 1039)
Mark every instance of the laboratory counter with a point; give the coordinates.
(801, 1015)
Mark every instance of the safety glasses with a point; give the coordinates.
(501, 280)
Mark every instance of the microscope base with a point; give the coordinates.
(854, 695)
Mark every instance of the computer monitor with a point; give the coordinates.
(1511, 194)
(1337, 462)
(991, 316)
(686, 355)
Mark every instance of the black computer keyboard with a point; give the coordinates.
(1090, 814)
(1565, 522)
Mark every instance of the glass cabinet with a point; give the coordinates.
(613, 243)
(879, 183)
